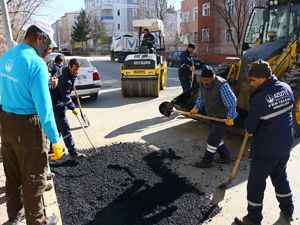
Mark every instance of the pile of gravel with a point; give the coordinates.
(128, 184)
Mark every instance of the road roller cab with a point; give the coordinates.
(145, 74)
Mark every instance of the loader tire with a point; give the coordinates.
(292, 78)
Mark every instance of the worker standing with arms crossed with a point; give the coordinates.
(26, 114)
(270, 121)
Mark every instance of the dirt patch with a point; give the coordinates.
(128, 184)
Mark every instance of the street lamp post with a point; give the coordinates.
(6, 22)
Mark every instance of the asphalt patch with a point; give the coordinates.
(128, 184)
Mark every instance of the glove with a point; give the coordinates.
(229, 122)
(193, 111)
(75, 112)
(192, 68)
(58, 151)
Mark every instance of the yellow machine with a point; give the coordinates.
(145, 74)
(272, 35)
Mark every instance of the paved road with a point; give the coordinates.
(117, 119)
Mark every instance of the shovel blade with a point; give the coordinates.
(85, 121)
(166, 108)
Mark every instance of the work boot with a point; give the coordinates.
(77, 155)
(286, 217)
(50, 175)
(17, 220)
(223, 160)
(206, 161)
(51, 220)
(203, 164)
(245, 221)
(49, 186)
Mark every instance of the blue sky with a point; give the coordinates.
(58, 8)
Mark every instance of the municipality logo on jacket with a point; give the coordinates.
(9, 65)
(270, 99)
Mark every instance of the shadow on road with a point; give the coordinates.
(110, 99)
(139, 126)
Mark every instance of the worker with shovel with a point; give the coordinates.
(219, 101)
(61, 100)
(270, 121)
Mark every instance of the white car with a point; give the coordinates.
(88, 82)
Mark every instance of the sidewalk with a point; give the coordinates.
(50, 201)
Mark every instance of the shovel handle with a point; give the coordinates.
(78, 101)
(239, 156)
(200, 116)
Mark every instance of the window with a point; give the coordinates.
(206, 9)
(119, 26)
(195, 36)
(229, 7)
(227, 35)
(118, 12)
(195, 13)
(185, 16)
(205, 35)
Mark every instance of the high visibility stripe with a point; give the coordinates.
(276, 113)
(254, 204)
(222, 142)
(284, 195)
(211, 149)
(66, 136)
(70, 101)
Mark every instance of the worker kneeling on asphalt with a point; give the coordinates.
(61, 100)
(270, 121)
(216, 96)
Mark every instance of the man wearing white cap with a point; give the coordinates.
(26, 119)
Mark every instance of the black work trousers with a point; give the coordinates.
(185, 78)
(260, 170)
(25, 162)
(63, 127)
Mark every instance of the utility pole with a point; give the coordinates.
(6, 23)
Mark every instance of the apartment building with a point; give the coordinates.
(67, 22)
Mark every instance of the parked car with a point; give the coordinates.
(88, 82)
(173, 60)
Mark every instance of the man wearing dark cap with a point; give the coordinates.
(216, 96)
(186, 67)
(270, 122)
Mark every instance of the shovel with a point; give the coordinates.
(88, 137)
(166, 108)
(236, 164)
(84, 118)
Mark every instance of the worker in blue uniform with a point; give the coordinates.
(186, 67)
(218, 100)
(61, 100)
(26, 118)
(270, 122)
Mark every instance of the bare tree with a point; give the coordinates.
(21, 12)
(235, 14)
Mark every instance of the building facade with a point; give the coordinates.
(67, 22)
(189, 22)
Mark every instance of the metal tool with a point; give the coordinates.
(84, 118)
(88, 137)
(166, 108)
(237, 162)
